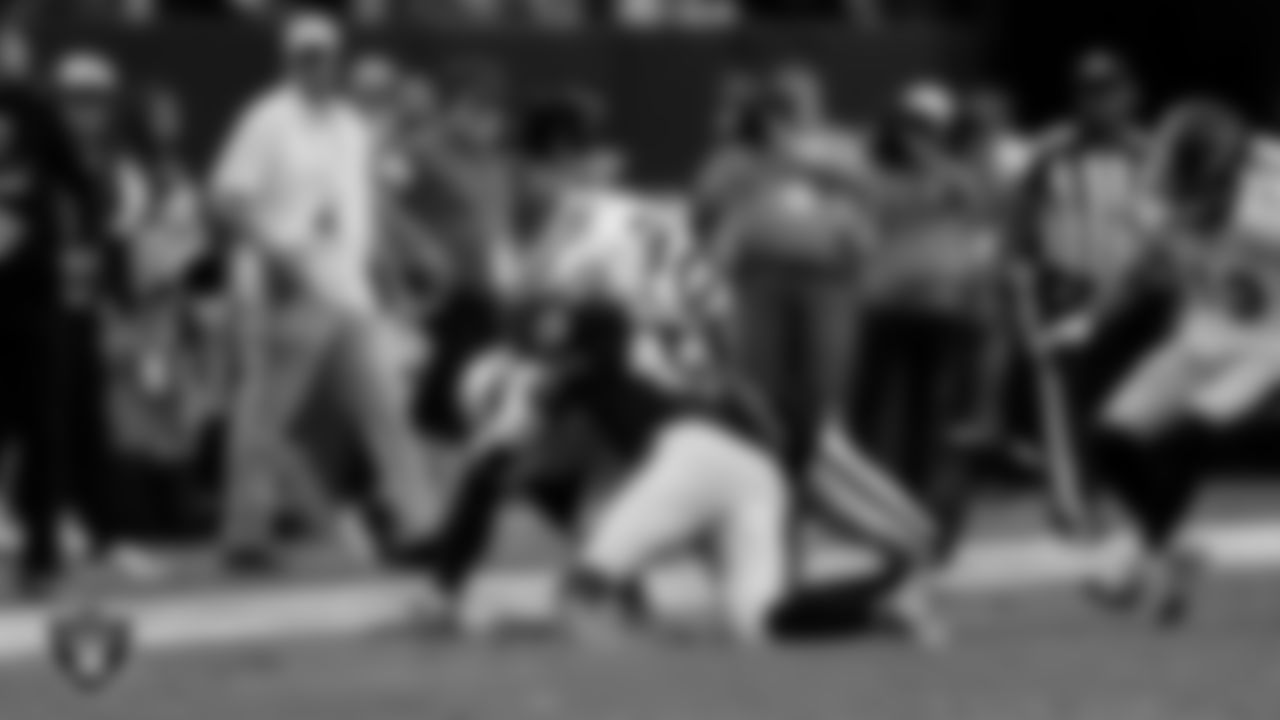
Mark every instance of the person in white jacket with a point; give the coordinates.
(296, 182)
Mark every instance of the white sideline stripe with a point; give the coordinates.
(357, 608)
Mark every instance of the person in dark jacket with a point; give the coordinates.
(49, 400)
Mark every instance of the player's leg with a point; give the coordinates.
(32, 410)
(857, 496)
(1156, 480)
(452, 549)
(753, 537)
(452, 553)
(663, 504)
(854, 495)
(1151, 449)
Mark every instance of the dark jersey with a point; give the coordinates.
(587, 347)
(47, 202)
(468, 323)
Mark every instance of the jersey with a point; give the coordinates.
(1082, 214)
(1239, 270)
(593, 374)
(629, 249)
(639, 253)
(467, 324)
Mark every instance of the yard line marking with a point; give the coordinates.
(356, 608)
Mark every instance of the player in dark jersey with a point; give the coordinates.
(1190, 398)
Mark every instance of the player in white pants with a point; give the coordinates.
(696, 478)
(701, 481)
(1166, 424)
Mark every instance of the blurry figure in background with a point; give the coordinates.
(169, 340)
(92, 97)
(401, 109)
(374, 85)
(922, 289)
(987, 136)
(16, 66)
(91, 93)
(789, 228)
(174, 237)
(781, 211)
(1079, 234)
(321, 357)
(1208, 367)
(991, 148)
(52, 243)
(463, 193)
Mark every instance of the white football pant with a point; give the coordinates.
(701, 482)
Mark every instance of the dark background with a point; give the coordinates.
(1228, 48)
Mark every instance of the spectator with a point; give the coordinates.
(169, 352)
(463, 180)
(296, 179)
(923, 282)
(999, 156)
(789, 231)
(173, 238)
(987, 137)
(93, 101)
(375, 86)
(1081, 234)
(91, 97)
(52, 400)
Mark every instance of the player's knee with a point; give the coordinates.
(613, 550)
(752, 608)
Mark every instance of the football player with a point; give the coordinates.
(613, 280)
(1218, 362)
